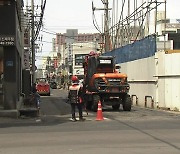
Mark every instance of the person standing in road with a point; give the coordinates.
(37, 96)
(74, 95)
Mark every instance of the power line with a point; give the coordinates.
(40, 22)
(136, 15)
(94, 19)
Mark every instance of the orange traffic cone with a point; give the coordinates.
(99, 112)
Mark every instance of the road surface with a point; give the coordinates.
(141, 131)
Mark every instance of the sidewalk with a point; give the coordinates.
(14, 113)
(9, 113)
(19, 122)
(9, 118)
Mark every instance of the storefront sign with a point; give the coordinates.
(26, 38)
(26, 59)
(7, 41)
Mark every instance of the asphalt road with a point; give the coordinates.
(141, 131)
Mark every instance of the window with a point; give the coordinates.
(79, 59)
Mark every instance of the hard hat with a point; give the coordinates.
(92, 53)
(74, 78)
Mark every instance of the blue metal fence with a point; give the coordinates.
(138, 50)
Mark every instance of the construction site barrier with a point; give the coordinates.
(132, 96)
(152, 101)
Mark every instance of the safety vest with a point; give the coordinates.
(74, 93)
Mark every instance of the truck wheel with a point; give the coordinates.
(127, 103)
(94, 108)
(89, 105)
(116, 107)
(96, 99)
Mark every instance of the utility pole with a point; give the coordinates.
(135, 20)
(147, 19)
(142, 19)
(155, 26)
(32, 43)
(165, 16)
(128, 23)
(106, 26)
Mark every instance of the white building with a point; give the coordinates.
(78, 52)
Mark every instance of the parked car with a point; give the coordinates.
(43, 87)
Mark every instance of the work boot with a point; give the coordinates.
(74, 119)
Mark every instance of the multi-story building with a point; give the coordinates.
(11, 49)
(82, 37)
(168, 32)
(72, 47)
(79, 51)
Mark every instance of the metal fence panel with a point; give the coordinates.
(138, 50)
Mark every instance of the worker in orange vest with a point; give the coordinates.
(75, 98)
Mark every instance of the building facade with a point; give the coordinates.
(11, 49)
(71, 47)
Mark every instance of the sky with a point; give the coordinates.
(77, 14)
(69, 14)
(65, 14)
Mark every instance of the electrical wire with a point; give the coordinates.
(132, 15)
(94, 19)
(40, 22)
(121, 15)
